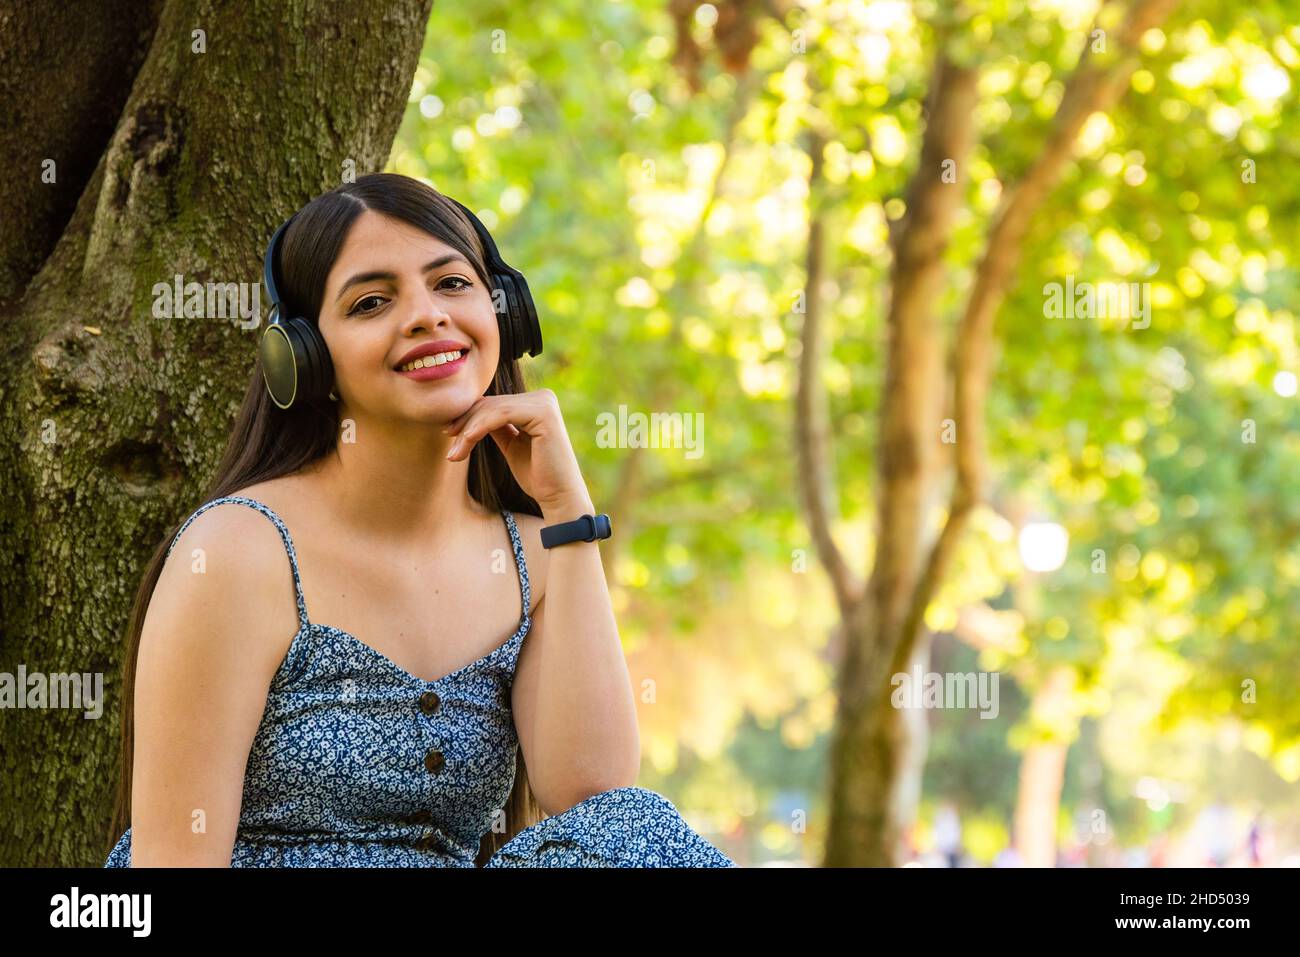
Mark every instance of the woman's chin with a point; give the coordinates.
(434, 412)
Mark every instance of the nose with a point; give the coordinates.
(423, 312)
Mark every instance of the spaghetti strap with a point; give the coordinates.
(284, 534)
(518, 547)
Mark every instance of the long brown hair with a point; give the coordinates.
(268, 442)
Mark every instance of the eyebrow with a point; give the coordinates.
(392, 277)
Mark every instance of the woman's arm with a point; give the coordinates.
(216, 630)
(572, 696)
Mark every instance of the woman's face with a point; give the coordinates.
(394, 289)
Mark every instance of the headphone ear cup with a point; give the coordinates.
(296, 364)
(279, 364)
(525, 330)
(529, 326)
(319, 366)
(510, 339)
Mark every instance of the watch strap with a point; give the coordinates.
(586, 528)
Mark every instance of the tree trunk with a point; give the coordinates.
(913, 744)
(1042, 771)
(1042, 774)
(870, 750)
(114, 418)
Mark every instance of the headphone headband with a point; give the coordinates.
(271, 263)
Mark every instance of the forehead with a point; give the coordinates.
(379, 242)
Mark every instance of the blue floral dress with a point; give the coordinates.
(359, 763)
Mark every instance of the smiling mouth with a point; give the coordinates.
(429, 368)
(429, 362)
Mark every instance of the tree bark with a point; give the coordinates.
(114, 418)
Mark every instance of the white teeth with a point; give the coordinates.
(435, 360)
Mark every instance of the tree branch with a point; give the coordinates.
(811, 421)
(1097, 84)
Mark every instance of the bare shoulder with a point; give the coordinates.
(224, 596)
(231, 549)
(535, 556)
(242, 552)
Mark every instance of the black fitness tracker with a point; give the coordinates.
(587, 528)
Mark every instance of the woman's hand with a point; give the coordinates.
(529, 430)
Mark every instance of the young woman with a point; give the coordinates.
(357, 704)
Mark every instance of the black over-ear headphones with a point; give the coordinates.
(296, 364)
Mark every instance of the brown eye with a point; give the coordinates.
(357, 308)
(466, 283)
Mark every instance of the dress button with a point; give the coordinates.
(429, 702)
(433, 761)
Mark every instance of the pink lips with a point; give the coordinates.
(436, 372)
